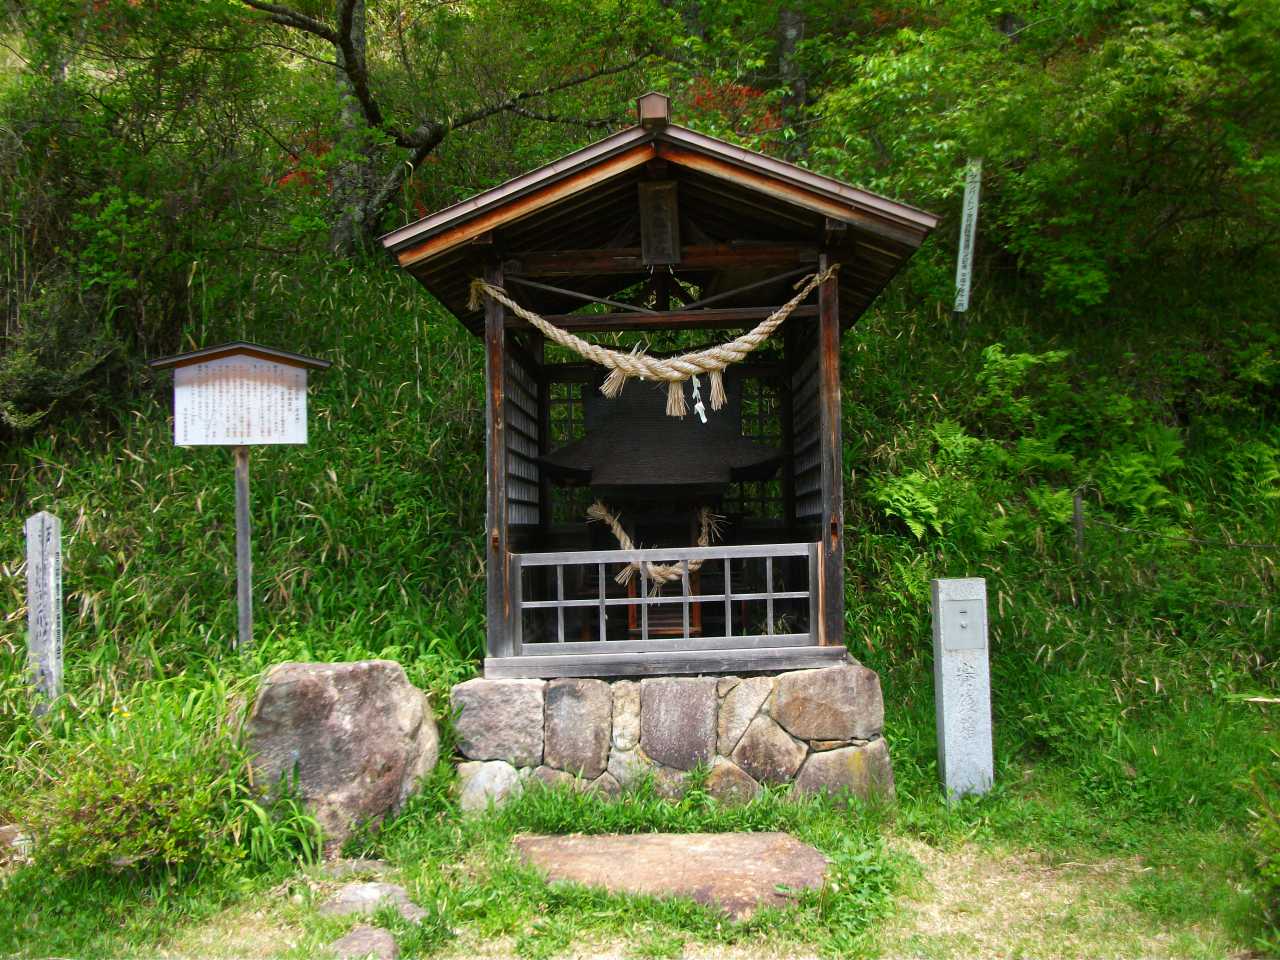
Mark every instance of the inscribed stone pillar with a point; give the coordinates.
(962, 685)
(44, 604)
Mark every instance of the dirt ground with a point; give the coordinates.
(967, 903)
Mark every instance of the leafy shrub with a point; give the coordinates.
(160, 782)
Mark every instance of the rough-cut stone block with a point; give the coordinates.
(481, 781)
(729, 784)
(739, 708)
(628, 766)
(768, 753)
(678, 720)
(833, 744)
(366, 898)
(606, 786)
(831, 703)
(554, 778)
(669, 784)
(578, 722)
(724, 685)
(626, 714)
(864, 771)
(735, 872)
(364, 942)
(500, 720)
(353, 739)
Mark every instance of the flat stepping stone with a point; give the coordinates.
(738, 873)
(366, 898)
(364, 942)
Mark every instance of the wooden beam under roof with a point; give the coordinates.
(709, 319)
(623, 260)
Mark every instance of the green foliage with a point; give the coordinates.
(157, 781)
(1265, 787)
(1113, 135)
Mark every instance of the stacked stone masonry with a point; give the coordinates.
(819, 729)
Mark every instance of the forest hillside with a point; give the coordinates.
(175, 175)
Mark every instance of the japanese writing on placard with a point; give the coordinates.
(44, 603)
(968, 232)
(239, 401)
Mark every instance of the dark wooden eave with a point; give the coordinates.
(744, 212)
(238, 348)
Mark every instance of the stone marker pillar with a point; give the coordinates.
(962, 685)
(44, 605)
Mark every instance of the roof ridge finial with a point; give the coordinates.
(654, 110)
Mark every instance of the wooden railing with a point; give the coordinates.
(633, 650)
(607, 565)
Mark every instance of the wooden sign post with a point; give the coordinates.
(44, 607)
(239, 395)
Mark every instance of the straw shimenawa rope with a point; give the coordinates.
(673, 371)
(659, 573)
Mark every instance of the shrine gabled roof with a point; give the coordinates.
(239, 348)
(730, 197)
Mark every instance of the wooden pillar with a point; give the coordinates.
(497, 570)
(831, 557)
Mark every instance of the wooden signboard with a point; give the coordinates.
(239, 401)
(240, 395)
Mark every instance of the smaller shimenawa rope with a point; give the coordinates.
(673, 371)
(659, 573)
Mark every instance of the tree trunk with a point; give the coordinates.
(790, 32)
(352, 177)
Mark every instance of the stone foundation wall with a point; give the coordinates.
(820, 729)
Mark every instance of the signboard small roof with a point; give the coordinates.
(235, 349)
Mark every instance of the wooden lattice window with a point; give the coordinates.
(761, 421)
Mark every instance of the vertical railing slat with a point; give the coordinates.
(560, 600)
(815, 610)
(644, 605)
(516, 589)
(603, 616)
(768, 589)
(728, 597)
(684, 595)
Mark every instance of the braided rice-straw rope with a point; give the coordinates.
(671, 370)
(659, 573)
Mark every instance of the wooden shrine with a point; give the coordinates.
(625, 535)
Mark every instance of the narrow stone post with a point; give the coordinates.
(44, 607)
(962, 686)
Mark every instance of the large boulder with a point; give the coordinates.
(833, 703)
(350, 739)
(500, 720)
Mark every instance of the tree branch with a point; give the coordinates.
(428, 136)
(575, 121)
(288, 17)
(354, 66)
(512, 102)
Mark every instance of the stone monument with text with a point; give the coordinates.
(962, 685)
